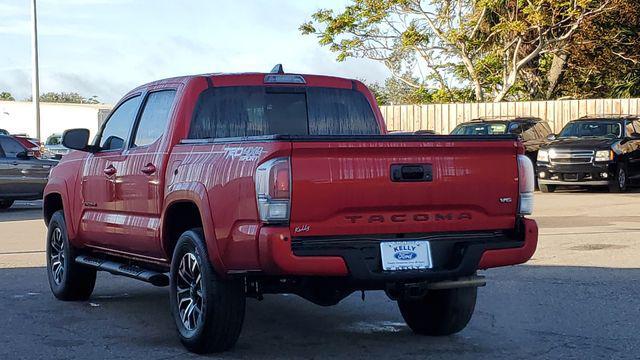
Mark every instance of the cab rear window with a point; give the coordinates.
(256, 110)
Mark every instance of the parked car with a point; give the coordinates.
(54, 148)
(32, 144)
(425, 132)
(239, 185)
(417, 132)
(22, 176)
(533, 131)
(593, 151)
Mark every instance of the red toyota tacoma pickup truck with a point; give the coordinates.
(228, 186)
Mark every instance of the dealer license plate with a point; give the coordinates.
(406, 255)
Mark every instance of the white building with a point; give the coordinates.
(17, 117)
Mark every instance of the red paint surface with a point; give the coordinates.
(345, 188)
(505, 257)
(277, 258)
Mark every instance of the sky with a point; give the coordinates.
(104, 48)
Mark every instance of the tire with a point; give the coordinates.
(220, 303)
(68, 281)
(620, 180)
(547, 188)
(440, 312)
(5, 204)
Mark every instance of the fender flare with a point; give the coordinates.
(58, 186)
(196, 193)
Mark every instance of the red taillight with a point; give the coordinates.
(279, 185)
(273, 189)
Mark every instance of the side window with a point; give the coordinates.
(543, 129)
(154, 118)
(116, 131)
(636, 125)
(10, 147)
(515, 128)
(529, 132)
(629, 129)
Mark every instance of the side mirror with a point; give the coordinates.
(552, 137)
(77, 139)
(25, 155)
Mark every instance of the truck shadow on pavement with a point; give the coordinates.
(523, 312)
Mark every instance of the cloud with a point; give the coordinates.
(15, 27)
(16, 81)
(12, 10)
(106, 47)
(85, 2)
(107, 90)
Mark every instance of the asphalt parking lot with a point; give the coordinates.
(578, 298)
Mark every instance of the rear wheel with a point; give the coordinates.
(620, 181)
(208, 311)
(547, 188)
(68, 281)
(5, 204)
(439, 312)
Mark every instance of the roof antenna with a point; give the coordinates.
(278, 69)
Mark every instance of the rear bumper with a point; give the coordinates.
(454, 255)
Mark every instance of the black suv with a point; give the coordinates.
(533, 131)
(592, 151)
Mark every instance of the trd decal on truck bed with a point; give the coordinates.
(244, 153)
(398, 218)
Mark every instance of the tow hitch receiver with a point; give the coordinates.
(419, 290)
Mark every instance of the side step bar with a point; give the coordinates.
(132, 271)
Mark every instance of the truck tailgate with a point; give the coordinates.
(346, 187)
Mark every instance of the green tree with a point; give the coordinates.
(396, 92)
(6, 96)
(605, 58)
(484, 44)
(67, 97)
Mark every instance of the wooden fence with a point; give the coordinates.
(442, 118)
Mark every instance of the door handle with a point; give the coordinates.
(110, 170)
(150, 169)
(15, 163)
